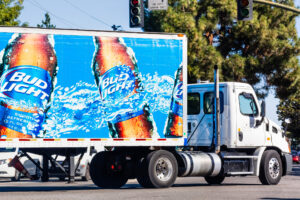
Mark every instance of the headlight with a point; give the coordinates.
(5, 161)
(2, 162)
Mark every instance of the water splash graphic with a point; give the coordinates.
(80, 108)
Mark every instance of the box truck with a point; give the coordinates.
(64, 90)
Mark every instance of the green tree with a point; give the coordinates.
(265, 48)
(46, 23)
(262, 52)
(290, 109)
(10, 11)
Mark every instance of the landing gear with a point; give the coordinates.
(17, 176)
(86, 176)
(45, 172)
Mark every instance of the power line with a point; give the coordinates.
(83, 11)
(36, 4)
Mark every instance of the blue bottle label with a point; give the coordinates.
(29, 83)
(117, 83)
(176, 106)
(24, 91)
(178, 92)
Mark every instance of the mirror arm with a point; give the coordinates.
(263, 114)
(259, 122)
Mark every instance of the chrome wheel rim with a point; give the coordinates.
(274, 168)
(163, 169)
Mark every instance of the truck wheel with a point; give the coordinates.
(215, 180)
(86, 176)
(270, 171)
(17, 176)
(158, 170)
(104, 173)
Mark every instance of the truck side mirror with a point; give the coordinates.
(262, 113)
(287, 122)
(263, 109)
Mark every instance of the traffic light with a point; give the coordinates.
(136, 13)
(245, 9)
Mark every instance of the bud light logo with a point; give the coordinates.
(26, 83)
(178, 91)
(117, 83)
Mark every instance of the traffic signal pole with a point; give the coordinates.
(245, 8)
(289, 8)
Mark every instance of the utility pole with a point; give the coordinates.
(270, 3)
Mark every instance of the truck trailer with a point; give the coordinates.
(64, 90)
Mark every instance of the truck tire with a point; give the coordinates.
(103, 175)
(270, 171)
(158, 170)
(86, 176)
(215, 180)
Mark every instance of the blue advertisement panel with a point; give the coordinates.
(72, 86)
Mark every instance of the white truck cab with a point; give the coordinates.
(246, 134)
(242, 120)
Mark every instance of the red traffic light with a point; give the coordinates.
(244, 3)
(135, 2)
(136, 13)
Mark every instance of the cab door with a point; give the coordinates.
(201, 116)
(249, 133)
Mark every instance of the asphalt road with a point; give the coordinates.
(184, 188)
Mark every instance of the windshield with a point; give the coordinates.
(7, 149)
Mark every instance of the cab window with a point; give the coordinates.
(247, 104)
(208, 102)
(193, 103)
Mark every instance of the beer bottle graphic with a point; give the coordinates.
(116, 73)
(28, 70)
(174, 123)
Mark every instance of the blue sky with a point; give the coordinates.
(99, 15)
(78, 14)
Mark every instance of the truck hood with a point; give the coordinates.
(278, 138)
(275, 129)
(273, 124)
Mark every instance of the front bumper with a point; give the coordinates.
(7, 172)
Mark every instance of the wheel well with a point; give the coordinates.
(180, 162)
(282, 158)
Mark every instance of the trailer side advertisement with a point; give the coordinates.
(71, 86)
